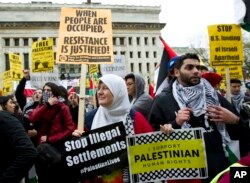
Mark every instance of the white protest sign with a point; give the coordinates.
(117, 68)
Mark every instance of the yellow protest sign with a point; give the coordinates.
(183, 149)
(13, 75)
(87, 82)
(16, 75)
(6, 75)
(93, 68)
(85, 36)
(16, 67)
(234, 72)
(42, 55)
(15, 62)
(7, 87)
(226, 46)
(6, 83)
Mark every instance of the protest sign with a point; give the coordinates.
(42, 55)
(157, 156)
(85, 36)
(97, 152)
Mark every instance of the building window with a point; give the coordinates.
(153, 40)
(54, 55)
(7, 62)
(71, 70)
(16, 41)
(7, 42)
(26, 60)
(25, 42)
(155, 64)
(54, 41)
(140, 67)
(148, 67)
(138, 40)
(130, 40)
(62, 70)
(123, 52)
(44, 38)
(131, 54)
(155, 55)
(115, 52)
(139, 54)
(34, 39)
(132, 67)
(121, 40)
(147, 54)
(146, 41)
(114, 41)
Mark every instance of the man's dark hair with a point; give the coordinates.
(130, 76)
(235, 80)
(180, 60)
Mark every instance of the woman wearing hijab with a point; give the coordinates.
(112, 96)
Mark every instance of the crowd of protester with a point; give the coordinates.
(190, 99)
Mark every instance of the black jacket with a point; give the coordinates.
(20, 97)
(17, 153)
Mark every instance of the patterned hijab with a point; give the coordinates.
(120, 106)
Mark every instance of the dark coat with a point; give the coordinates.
(17, 153)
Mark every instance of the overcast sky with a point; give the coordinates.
(186, 20)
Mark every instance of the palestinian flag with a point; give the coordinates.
(91, 86)
(167, 55)
(242, 13)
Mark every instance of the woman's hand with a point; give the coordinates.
(167, 128)
(77, 133)
(53, 100)
(43, 139)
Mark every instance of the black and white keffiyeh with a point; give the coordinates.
(237, 101)
(196, 97)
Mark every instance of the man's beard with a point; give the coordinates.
(192, 81)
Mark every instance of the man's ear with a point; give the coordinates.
(176, 72)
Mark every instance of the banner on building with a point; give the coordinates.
(85, 37)
(42, 55)
(157, 156)
(226, 46)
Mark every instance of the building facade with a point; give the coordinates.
(136, 31)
